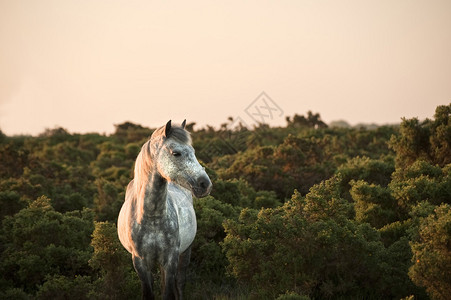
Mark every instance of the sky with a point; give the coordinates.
(86, 65)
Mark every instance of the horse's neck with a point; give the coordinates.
(155, 195)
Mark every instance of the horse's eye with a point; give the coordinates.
(176, 153)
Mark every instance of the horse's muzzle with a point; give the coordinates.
(202, 187)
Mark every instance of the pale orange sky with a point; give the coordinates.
(88, 64)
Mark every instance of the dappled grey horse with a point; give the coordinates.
(157, 223)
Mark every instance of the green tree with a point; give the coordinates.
(108, 201)
(117, 278)
(421, 181)
(428, 140)
(373, 171)
(14, 157)
(10, 203)
(296, 163)
(432, 253)
(441, 138)
(312, 120)
(309, 246)
(64, 287)
(129, 132)
(39, 243)
(209, 263)
(373, 204)
(363, 210)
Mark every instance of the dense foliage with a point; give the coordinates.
(303, 211)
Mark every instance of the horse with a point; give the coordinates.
(157, 222)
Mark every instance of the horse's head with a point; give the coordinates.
(177, 163)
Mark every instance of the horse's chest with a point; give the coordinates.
(187, 226)
(182, 202)
(157, 235)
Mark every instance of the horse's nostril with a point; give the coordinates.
(204, 183)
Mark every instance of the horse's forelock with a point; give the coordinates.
(176, 133)
(181, 135)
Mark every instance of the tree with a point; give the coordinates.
(362, 212)
(373, 204)
(108, 201)
(116, 277)
(312, 120)
(64, 287)
(421, 181)
(10, 203)
(129, 132)
(427, 140)
(296, 163)
(209, 263)
(432, 253)
(40, 243)
(308, 246)
(441, 137)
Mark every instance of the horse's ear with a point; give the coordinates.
(167, 129)
(183, 124)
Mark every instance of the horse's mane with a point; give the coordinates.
(144, 162)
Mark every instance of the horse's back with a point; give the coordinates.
(183, 203)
